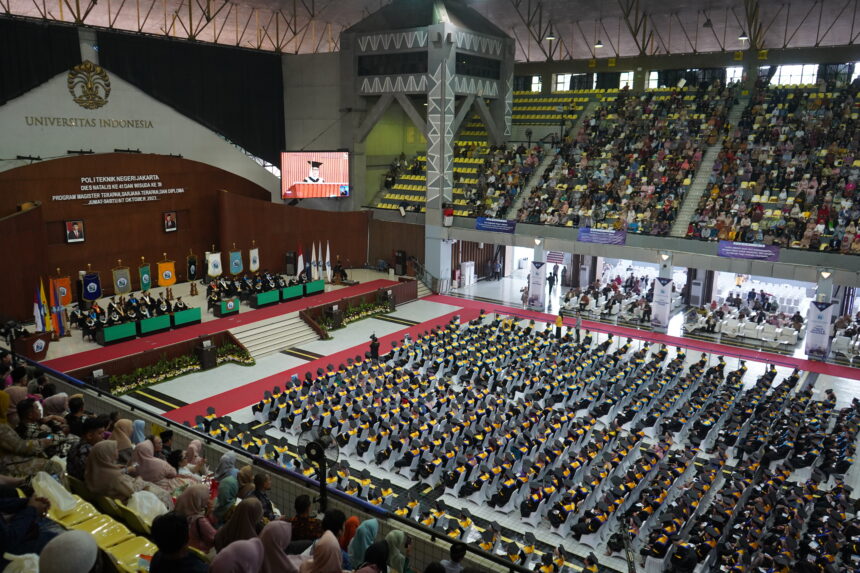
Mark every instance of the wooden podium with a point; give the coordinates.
(34, 346)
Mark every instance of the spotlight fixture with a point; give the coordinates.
(537, 241)
(825, 274)
(664, 256)
(598, 44)
(550, 36)
(743, 36)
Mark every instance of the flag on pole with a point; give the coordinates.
(254, 260)
(191, 265)
(166, 273)
(56, 310)
(327, 262)
(314, 271)
(43, 302)
(236, 266)
(121, 280)
(145, 277)
(300, 267)
(38, 317)
(320, 262)
(214, 264)
(92, 287)
(64, 290)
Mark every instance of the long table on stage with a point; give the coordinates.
(152, 325)
(187, 317)
(262, 299)
(314, 287)
(227, 307)
(116, 333)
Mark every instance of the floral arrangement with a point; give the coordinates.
(354, 313)
(165, 369)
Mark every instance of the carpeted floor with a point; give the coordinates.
(108, 353)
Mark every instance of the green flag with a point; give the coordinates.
(145, 277)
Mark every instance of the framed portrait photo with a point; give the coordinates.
(169, 221)
(75, 231)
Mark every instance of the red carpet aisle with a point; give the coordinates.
(248, 394)
(107, 353)
(689, 343)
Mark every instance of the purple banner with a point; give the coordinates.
(748, 251)
(496, 225)
(602, 236)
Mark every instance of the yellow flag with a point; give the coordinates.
(166, 273)
(49, 323)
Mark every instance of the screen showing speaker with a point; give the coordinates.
(306, 174)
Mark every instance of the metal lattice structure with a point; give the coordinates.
(623, 27)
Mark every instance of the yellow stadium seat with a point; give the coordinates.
(82, 512)
(126, 555)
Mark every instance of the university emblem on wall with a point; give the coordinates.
(89, 85)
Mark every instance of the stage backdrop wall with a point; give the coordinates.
(388, 237)
(278, 228)
(125, 221)
(46, 122)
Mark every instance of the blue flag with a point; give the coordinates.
(236, 262)
(92, 287)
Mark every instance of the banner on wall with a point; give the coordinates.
(818, 330)
(254, 260)
(92, 287)
(750, 251)
(236, 266)
(213, 264)
(537, 285)
(121, 280)
(145, 277)
(662, 304)
(601, 236)
(166, 273)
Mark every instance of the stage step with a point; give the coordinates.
(274, 334)
(423, 290)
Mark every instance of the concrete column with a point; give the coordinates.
(437, 257)
(87, 40)
(824, 289)
(665, 266)
(539, 255)
(502, 108)
(640, 80)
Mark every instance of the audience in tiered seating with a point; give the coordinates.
(631, 163)
(787, 173)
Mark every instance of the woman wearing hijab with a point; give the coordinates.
(228, 489)
(19, 457)
(375, 559)
(138, 434)
(243, 524)
(69, 551)
(245, 556)
(155, 470)
(194, 505)
(327, 556)
(365, 535)
(194, 456)
(16, 393)
(398, 545)
(103, 476)
(276, 536)
(226, 467)
(245, 477)
(349, 529)
(121, 434)
(56, 405)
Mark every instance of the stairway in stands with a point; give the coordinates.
(274, 334)
(549, 159)
(700, 183)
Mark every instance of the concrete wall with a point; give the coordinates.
(392, 135)
(47, 123)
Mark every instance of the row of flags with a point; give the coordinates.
(48, 309)
(49, 306)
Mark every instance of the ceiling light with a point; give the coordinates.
(665, 256)
(707, 23)
(743, 36)
(550, 36)
(825, 274)
(598, 44)
(537, 241)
